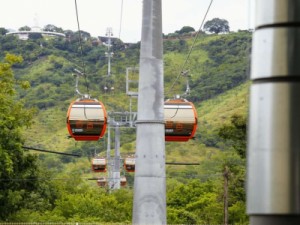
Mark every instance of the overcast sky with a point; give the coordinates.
(95, 16)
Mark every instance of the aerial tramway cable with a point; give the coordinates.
(181, 115)
(81, 48)
(50, 151)
(121, 18)
(190, 51)
(86, 117)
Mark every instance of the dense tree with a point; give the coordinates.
(78, 201)
(192, 203)
(216, 26)
(15, 164)
(185, 29)
(35, 36)
(3, 31)
(227, 191)
(7, 43)
(52, 28)
(25, 28)
(226, 68)
(235, 134)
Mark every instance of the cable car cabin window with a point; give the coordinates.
(180, 120)
(86, 120)
(99, 165)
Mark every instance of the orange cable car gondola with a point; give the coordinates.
(86, 119)
(102, 182)
(99, 164)
(123, 181)
(180, 120)
(129, 164)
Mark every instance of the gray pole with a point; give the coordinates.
(273, 185)
(149, 205)
(109, 177)
(116, 171)
(130, 112)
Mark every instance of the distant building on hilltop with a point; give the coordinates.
(24, 35)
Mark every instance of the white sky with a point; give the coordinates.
(96, 16)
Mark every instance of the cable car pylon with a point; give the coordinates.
(149, 205)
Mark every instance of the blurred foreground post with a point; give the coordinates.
(273, 182)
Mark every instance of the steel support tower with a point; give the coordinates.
(149, 205)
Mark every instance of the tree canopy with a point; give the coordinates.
(235, 133)
(3, 31)
(52, 28)
(25, 28)
(185, 29)
(15, 164)
(217, 26)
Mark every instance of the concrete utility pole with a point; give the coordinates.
(273, 185)
(149, 205)
(116, 169)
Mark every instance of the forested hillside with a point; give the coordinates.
(38, 187)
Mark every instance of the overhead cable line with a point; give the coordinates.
(182, 163)
(189, 53)
(81, 48)
(121, 18)
(31, 179)
(49, 151)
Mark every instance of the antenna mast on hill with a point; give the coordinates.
(109, 54)
(273, 167)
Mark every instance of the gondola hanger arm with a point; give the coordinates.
(77, 75)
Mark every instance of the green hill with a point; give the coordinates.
(218, 67)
